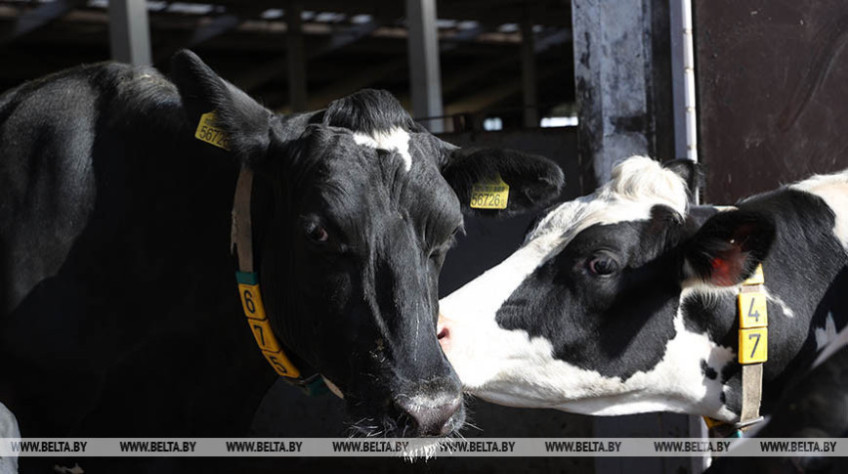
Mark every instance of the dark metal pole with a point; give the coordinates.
(528, 75)
(129, 32)
(425, 75)
(296, 56)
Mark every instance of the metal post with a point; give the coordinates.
(689, 83)
(612, 55)
(685, 139)
(683, 81)
(614, 67)
(678, 79)
(296, 56)
(528, 75)
(129, 33)
(425, 76)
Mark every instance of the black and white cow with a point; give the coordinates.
(814, 406)
(624, 301)
(120, 313)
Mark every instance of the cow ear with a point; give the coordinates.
(243, 120)
(728, 247)
(534, 181)
(691, 172)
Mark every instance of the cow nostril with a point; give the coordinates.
(433, 418)
(442, 331)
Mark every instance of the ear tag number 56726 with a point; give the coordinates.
(493, 194)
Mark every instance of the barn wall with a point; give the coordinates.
(771, 92)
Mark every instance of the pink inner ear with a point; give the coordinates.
(727, 267)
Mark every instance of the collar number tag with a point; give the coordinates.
(260, 326)
(753, 319)
(490, 194)
(753, 310)
(753, 345)
(208, 131)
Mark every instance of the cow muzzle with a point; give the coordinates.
(406, 399)
(436, 415)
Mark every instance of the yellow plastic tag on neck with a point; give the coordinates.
(753, 345)
(260, 326)
(209, 132)
(753, 319)
(492, 194)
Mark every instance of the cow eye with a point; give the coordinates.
(602, 265)
(317, 233)
(439, 252)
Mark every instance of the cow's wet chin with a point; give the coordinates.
(393, 424)
(426, 409)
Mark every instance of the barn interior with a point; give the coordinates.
(338, 47)
(583, 82)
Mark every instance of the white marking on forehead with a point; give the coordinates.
(637, 185)
(396, 139)
(833, 189)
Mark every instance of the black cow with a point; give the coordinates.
(120, 310)
(625, 301)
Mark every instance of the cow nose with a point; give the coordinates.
(434, 417)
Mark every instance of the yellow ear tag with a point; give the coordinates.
(492, 194)
(208, 131)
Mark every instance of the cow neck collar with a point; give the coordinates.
(241, 244)
(752, 320)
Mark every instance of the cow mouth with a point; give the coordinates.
(394, 422)
(391, 406)
(416, 447)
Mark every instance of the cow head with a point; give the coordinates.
(354, 209)
(590, 315)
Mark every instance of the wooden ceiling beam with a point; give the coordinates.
(38, 17)
(264, 73)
